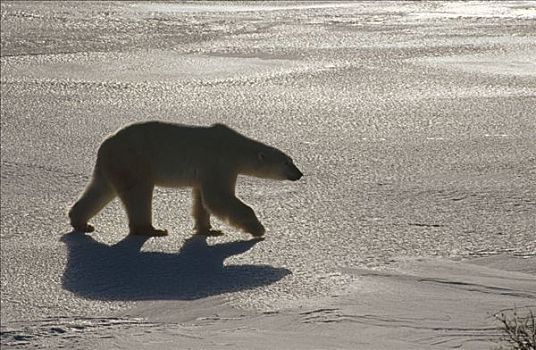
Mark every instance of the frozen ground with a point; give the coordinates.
(414, 123)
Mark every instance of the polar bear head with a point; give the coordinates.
(274, 164)
(254, 158)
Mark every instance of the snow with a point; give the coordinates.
(413, 123)
(196, 7)
(480, 9)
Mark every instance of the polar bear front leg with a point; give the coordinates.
(138, 203)
(226, 206)
(201, 216)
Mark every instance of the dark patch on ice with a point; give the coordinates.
(57, 330)
(425, 225)
(123, 272)
(19, 337)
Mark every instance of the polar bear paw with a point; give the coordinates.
(255, 228)
(85, 228)
(148, 231)
(209, 233)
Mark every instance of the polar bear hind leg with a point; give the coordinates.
(137, 200)
(98, 193)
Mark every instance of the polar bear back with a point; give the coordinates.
(175, 154)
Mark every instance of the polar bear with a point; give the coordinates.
(139, 157)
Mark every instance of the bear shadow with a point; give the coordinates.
(122, 272)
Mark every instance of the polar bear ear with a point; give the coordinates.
(261, 156)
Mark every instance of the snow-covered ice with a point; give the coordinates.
(413, 123)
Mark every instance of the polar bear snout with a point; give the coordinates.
(295, 177)
(293, 173)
